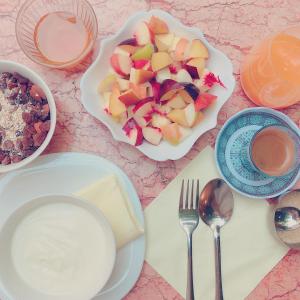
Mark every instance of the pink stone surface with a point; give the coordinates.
(231, 26)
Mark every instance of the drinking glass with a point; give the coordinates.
(31, 13)
(270, 73)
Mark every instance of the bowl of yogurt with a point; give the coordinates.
(55, 247)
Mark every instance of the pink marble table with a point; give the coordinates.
(230, 25)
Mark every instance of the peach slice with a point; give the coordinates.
(144, 107)
(164, 42)
(181, 49)
(143, 34)
(199, 118)
(169, 88)
(158, 26)
(195, 67)
(121, 64)
(123, 84)
(159, 121)
(177, 102)
(152, 134)
(163, 74)
(127, 49)
(184, 117)
(204, 100)
(160, 60)
(184, 76)
(198, 49)
(134, 132)
(142, 121)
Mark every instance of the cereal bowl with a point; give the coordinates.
(218, 63)
(16, 120)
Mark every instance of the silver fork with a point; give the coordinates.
(189, 219)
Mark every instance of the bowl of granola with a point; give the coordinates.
(27, 115)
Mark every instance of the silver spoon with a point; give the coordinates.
(216, 207)
(287, 218)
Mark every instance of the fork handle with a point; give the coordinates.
(190, 282)
(219, 290)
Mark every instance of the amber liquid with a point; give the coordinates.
(273, 151)
(270, 74)
(61, 37)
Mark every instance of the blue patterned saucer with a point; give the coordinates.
(235, 134)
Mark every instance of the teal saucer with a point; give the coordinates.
(235, 134)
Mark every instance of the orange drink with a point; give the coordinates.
(270, 74)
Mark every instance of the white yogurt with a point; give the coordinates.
(59, 249)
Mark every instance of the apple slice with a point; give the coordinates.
(190, 114)
(139, 89)
(181, 49)
(175, 67)
(163, 74)
(105, 102)
(159, 120)
(144, 107)
(163, 42)
(134, 132)
(152, 134)
(195, 67)
(160, 60)
(129, 97)
(169, 88)
(143, 34)
(204, 100)
(178, 116)
(143, 53)
(107, 83)
(171, 133)
(155, 90)
(197, 49)
(143, 121)
(184, 76)
(121, 64)
(131, 42)
(141, 63)
(139, 76)
(177, 102)
(123, 84)
(121, 50)
(158, 26)
(116, 107)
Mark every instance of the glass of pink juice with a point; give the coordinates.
(57, 34)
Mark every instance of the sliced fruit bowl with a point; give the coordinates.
(158, 85)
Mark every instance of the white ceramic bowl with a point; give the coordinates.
(10, 66)
(13, 287)
(217, 63)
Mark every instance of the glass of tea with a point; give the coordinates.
(273, 151)
(56, 33)
(270, 73)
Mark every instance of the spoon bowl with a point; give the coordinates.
(287, 218)
(215, 209)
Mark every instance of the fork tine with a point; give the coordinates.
(192, 196)
(181, 196)
(197, 195)
(187, 195)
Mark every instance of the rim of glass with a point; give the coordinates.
(71, 63)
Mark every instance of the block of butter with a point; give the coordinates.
(108, 195)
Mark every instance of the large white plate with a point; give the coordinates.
(217, 63)
(64, 174)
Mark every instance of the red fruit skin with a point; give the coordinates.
(156, 91)
(192, 71)
(131, 42)
(129, 125)
(139, 64)
(140, 137)
(204, 100)
(141, 103)
(37, 93)
(173, 69)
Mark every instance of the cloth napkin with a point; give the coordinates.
(111, 199)
(249, 250)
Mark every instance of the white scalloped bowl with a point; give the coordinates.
(218, 63)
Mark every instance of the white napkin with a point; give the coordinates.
(249, 250)
(109, 197)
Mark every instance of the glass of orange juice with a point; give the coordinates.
(270, 73)
(56, 33)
